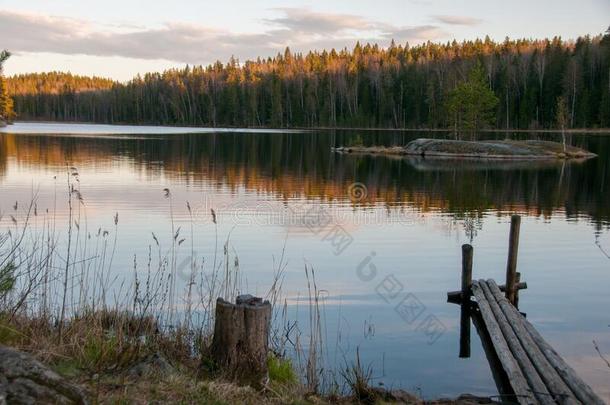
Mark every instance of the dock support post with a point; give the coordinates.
(467, 253)
(511, 265)
(517, 282)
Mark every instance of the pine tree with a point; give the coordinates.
(472, 103)
(6, 102)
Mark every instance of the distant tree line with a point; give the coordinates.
(6, 101)
(369, 86)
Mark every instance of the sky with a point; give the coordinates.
(120, 39)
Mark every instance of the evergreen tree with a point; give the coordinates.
(472, 103)
(6, 102)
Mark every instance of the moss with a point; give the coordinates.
(67, 368)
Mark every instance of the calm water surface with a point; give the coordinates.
(377, 231)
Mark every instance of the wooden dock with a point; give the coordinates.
(527, 370)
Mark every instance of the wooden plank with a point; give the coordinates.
(534, 380)
(511, 264)
(509, 363)
(455, 297)
(497, 371)
(553, 381)
(582, 391)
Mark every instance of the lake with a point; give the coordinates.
(379, 233)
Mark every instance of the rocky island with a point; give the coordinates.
(446, 148)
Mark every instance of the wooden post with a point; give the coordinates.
(517, 281)
(465, 330)
(241, 338)
(467, 254)
(511, 265)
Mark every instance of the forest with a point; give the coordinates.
(400, 86)
(6, 101)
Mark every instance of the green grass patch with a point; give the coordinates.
(67, 368)
(9, 336)
(281, 371)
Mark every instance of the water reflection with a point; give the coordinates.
(301, 165)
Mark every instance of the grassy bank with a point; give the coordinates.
(119, 359)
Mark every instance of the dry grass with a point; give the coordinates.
(599, 353)
(92, 344)
(101, 350)
(358, 377)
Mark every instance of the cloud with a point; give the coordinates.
(457, 20)
(307, 21)
(301, 29)
(415, 34)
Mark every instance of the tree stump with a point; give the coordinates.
(241, 338)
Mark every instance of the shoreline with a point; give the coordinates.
(326, 128)
(151, 364)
